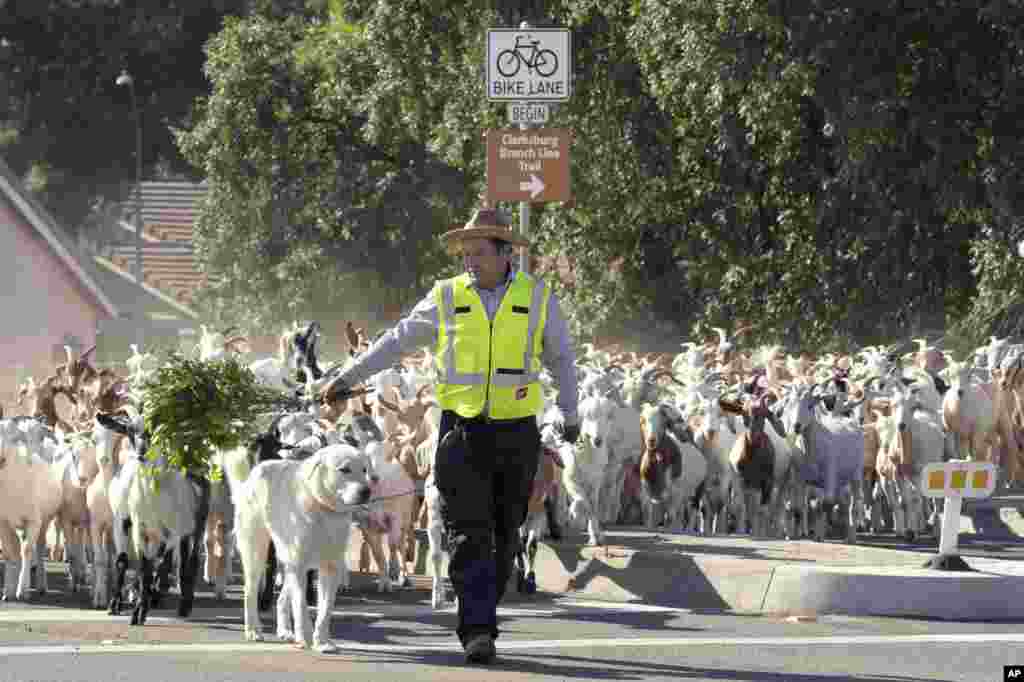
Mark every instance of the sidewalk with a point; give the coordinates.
(741, 575)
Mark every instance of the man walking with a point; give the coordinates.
(491, 328)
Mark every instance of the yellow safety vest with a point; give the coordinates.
(480, 362)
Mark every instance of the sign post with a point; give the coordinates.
(524, 224)
(954, 480)
(526, 67)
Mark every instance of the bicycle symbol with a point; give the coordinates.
(544, 62)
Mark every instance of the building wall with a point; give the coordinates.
(45, 306)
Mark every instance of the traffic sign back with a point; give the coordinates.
(958, 478)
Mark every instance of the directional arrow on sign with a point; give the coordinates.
(535, 186)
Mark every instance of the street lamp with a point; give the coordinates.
(126, 79)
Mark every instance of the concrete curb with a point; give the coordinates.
(690, 574)
(876, 591)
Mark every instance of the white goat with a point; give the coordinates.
(167, 516)
(586, 464)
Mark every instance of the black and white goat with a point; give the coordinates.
(160, 518)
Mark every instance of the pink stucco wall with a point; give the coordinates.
(42, 301)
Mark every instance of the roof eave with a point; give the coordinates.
(66, 257)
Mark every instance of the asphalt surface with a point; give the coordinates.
(398, 636)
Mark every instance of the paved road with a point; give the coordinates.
(398, 637)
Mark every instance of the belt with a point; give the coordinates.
(486, 419)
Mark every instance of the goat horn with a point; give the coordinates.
(823, 384)
(667, 373)
(856, 403)
(867, 385)
(731, 406)
(389, 405)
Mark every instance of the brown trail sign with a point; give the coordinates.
(528, 165)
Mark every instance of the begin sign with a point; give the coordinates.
(528, 165)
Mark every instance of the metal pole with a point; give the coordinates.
(138, 187)
(126, 79)
(524, 206)
(524, 229)
(950, 525)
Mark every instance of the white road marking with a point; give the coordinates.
(347, 647)
(625, 607)
(551, 609)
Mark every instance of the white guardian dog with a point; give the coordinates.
(306, 508)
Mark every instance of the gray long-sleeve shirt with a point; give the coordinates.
(420, 328)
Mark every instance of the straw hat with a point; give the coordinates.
(486, 223)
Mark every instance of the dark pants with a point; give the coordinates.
(484, 472)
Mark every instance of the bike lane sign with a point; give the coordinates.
(528, 64)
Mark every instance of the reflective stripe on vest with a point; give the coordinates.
(471, 349)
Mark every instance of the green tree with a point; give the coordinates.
(842, 150)
(65, 125)
(319, 204)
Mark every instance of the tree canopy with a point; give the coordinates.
(831, 173)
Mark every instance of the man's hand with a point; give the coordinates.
(570, 433)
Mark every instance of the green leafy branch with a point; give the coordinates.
(194, 408)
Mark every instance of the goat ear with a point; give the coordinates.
(350, 334)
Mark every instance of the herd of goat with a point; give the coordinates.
(711, 440)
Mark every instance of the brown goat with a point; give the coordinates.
(40, 401)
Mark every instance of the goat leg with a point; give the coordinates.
(142, 605)
(120, 569)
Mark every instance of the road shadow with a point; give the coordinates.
(382, 630)
(656, 578)
(560, 666)
(967, 545)
(989, 523)
(363, 592)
